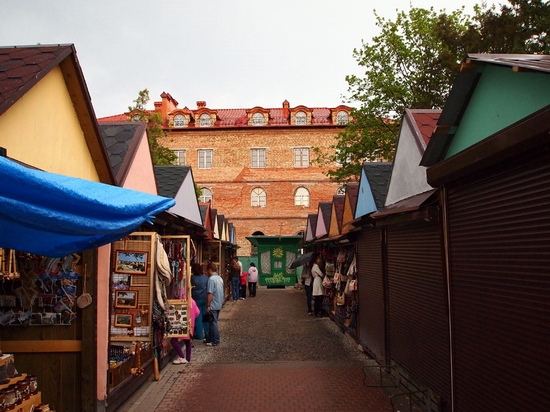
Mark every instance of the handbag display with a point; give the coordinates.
(327, 282)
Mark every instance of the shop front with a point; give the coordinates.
(275, 256)
(53, 230)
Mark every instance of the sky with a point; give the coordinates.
(229, 53)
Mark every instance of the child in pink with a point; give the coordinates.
(242, 288)
(181, 359)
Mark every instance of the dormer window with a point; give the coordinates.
(205, 120)
(258, 119)
(301, 118)
(342, 117)
(179, 120)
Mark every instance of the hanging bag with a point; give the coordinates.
(327, 282)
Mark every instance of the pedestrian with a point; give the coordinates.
(252, 280)
(214, 302)
(318, 291)
(308, 286)
(235, 276)
(194, 314)
(199, 280)
(242, 291)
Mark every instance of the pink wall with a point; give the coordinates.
(102, 330)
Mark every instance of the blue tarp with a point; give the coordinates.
(53, 215)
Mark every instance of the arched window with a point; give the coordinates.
(301, 197)
(206, 195)
(301, 118)
(258, 198)
(342, 117)
(205, 120)
(179, 120)
(258, 119)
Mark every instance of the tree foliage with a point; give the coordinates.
(162, 156)
(412, 64)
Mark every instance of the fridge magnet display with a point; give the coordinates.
(131, 262)
(177, 318)
(126, 299)
(123, 320)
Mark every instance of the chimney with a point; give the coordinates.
(201, 104)
(286, 109)
(165, 106)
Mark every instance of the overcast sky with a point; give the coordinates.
(230, 53)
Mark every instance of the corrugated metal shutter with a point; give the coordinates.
(499, 228)
(418, 315)
(371, 291)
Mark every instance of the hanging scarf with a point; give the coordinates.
(163, 274)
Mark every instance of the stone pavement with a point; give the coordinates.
(223, 378)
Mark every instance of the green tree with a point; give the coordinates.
(519, 27)
(408, 65)
(413, 62)
(162, 156)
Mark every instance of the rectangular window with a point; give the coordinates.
(180, 157)
(301, 157)
(257, 158)
(205, 159)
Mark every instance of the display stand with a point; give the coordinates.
(133, 268)
(178, 249)
(134, 341)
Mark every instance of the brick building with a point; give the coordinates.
(256, 165)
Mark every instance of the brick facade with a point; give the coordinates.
(232, 179)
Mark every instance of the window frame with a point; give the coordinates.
(258, 197)
(203, 120)
(203, 198)
(203, 161)
(301, 157)
(338, 117)
(299, 197)
(257, 158)
(300, 119)
(179, 117)
(255, 119)
(180, 153)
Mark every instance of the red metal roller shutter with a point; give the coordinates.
(372, 318)
(499, 229)
(418, 315)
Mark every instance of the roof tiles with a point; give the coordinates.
(22, 67)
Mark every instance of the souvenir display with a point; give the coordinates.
(37, 290)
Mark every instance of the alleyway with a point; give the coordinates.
(272, 357)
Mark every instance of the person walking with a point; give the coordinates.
(318, 290)
(307, 281)
(214, 302)
(199, 280)
(252, 280)
(235, 276)
(194, 314)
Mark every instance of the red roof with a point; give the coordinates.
(426, 120)
(239, 117)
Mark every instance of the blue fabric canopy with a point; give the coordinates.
(53, 215)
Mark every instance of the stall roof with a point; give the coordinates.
(54, 215)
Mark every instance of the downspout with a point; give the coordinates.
(447, 258)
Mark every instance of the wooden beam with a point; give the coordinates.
(41, 346)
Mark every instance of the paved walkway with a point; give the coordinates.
(225, 378)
